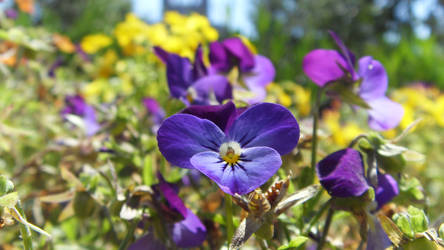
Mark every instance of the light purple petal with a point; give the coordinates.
(377, 239)
(221, 115)
(216, 84)
(190, 232)
(384, 113)
(91, 124)
(148, 242)
(266, 124)
(219, 57)
(374, 78)
(260, 76)
(179, 72)
(348, 55)
(321, 66)
(237, 48)
(387, 189)
(258, 165)
(181, 136)
(342, 173)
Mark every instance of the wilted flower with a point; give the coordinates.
(326, 66)
(238, 152)
(191, 83)
(76, 105)
(256, 71)
(184, 227)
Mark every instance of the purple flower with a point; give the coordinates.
(82, 53)
(57, 63)
(324, 66)
(76, 105)
(191, 83)
(256, 71)
(187, 232)
(11, 13)
(155, 111)
(342, 175)
(238, 150)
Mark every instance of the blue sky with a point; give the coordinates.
(234, 13)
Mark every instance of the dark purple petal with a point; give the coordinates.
(148, 242)
(199, 69)
(242, 54)
(384, 113)
(171, 196)
(190, 232)
(321, 66)
(258, 165)
(374, 78)
(179, 72)
(387, 189)
(219, 57)
(216, 85)
(348, 55)
(342, 173)
(181, 136)
(221, 115)
(266, 124)
(75, 105)
(377, 239)
(155, 110)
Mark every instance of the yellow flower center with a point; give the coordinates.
(230, 152)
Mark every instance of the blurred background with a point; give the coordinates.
(405, 35)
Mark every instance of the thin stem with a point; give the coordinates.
(326, 227)
(229, 214)
(317, 216)
(129, 234)
(314, 139)
(24, 228)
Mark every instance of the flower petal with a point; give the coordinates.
(219, 57)
(181, 136)
(190, 232)
(342, 173)
(91, 124)
(387, 189)
(216, 84)
(237, 48)
(321, 66)
(348, 55)
(199, 69)
(148, 242)
(376, 237)
(221, 115)
(171, 196)
(258, 165)
(260, 76)
(374, 78)
(384, 113)
(266, 124)
(179, 72)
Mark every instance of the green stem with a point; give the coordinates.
(314, 142)
(129, 234)
(229, 214)
(24, 229)
(326, 228)
(317, 216)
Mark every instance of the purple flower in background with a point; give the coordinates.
(155, 111)
(323, 66)
(76, 105)
(57, 63)
(256, 71)
(186, 232)
(238, 150)
(191, 83)
(342, 175)
(82, 53)
(11, 13)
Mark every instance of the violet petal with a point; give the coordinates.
(266, 124)
(387, 189)
(374, 78)
(213, 84)
(219, 57)
(342, 173)
(182, 135)
(221, 115)
(258, 165)
(321, 66)
(348, 55)
(190, 232)
(237, 48)
(384, 113)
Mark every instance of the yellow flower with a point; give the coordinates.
(341, 134)
(302, 99)
(93, 43)
(131, 34)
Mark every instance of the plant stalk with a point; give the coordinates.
(24, 229)
(326, 228)
(229, 214)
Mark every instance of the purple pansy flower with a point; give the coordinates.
(256, 71)
(238, 150)
(187, 232)
(76, 105)
(342, 175)
(323, 66)
(11, 13)
(191, 83)
(155, 111)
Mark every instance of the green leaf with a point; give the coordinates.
(9, 200)
(418, 219)
(6, 185)
(147, 174)
(388, 149)
(391, 229)
(347, 95)
(441, 231)
(295, 243)
(412, 187)
(421, 243)
(403, 222)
